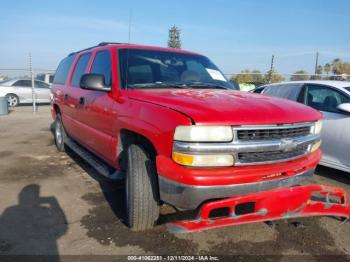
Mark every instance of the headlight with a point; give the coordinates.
(203, 160)
(317, 127)
(203, 134)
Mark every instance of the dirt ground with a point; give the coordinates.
(53, 203)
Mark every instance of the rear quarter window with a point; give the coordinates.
(288, 91)
(63, 70)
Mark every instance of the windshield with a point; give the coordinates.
(160, 69)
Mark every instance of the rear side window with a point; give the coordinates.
(347, 88)
(80, 69)
(23, 83)
(102, 65)
(63, 70)
(288, 91)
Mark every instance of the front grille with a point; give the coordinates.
(273, 133)
(271, 156)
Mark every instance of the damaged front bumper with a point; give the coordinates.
(283, 203)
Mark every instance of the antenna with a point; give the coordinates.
(128, 51)
(130, 20)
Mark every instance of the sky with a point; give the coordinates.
(235, 34)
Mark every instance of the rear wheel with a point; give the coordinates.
(13, 100)
(60, 134)
(141, 190)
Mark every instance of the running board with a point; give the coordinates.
(101, 167)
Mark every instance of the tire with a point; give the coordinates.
(59, 134)
(141, 190)
(13, 100)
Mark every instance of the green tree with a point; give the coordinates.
(299, 75)
(327, 69)
(272, 76)
(257, 76)
(244, 77)
(318, 75)
(337, 66)
(174, 37)
(247, 76)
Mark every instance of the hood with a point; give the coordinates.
(228, 107)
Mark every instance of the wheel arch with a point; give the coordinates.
(56, 110)
(128, 137)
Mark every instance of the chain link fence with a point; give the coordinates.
(248, 81)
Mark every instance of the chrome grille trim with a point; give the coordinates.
(277, 133)
(273, 156)
(238, 147)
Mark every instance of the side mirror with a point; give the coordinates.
(344, 107)
(94, 82)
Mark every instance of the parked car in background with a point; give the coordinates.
(332, 98)
(19, 91)
(45, 77)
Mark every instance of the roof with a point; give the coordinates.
(11, 81)
(334, 83)
(341, 85)
(135, 46)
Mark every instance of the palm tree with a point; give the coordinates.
(327, 68)
(337, 65)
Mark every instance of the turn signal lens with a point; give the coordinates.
(316, 146)
(203, 160)
(183, 159)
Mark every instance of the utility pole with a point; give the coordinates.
(271, 68)
(316, 64)
(32, 78)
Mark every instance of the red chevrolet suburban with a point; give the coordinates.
(171, 125)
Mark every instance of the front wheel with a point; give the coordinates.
(12, 100)
(141, 190)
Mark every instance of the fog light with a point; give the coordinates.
(203, 160)
(316, 146)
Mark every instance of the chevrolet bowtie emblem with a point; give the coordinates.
(288, 144)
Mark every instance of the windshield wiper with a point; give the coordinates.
(207, 85)
(158, 85)
(178, 85)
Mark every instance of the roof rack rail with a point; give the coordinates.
(100, 44)
(108, 43)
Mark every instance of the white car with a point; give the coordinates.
(332, 98)
(19, 91)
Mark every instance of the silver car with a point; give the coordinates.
(332, 98)
(19, 91)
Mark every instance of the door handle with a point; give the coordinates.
(66, 96)
(82, 100)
